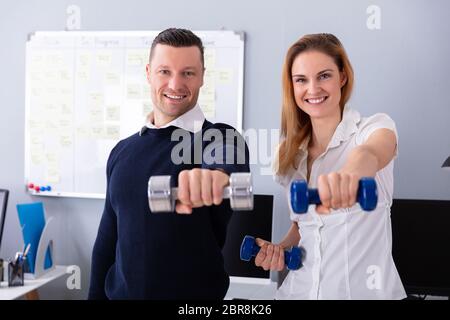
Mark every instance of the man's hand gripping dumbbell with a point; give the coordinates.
(200, 187)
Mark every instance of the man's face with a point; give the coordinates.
(175, 76)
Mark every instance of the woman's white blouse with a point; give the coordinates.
(349, 251)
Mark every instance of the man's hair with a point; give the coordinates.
(178, 38)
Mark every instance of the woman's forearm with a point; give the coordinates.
(292, 237)
(361, 161)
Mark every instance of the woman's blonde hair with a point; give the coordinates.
(295, 123)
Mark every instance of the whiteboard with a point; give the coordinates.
(85, 91)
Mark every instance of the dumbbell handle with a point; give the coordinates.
(239, 193)
(367, 195)
(314, 197)
(226, 192)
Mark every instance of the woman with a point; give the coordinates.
(348, 251)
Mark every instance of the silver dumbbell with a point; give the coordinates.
(161, 197)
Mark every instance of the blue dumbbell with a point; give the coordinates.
(292, 258)
(302, 197)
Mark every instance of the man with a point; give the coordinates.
(143, 255)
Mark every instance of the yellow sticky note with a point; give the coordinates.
(52, 174)
(137, 58)
(64, 75)
(50, 107)
(65, 123)
(83, 75)
(96, 113)
(224, 76)
(83, 132)
(134, 91)
(35, 125)
(95, 99)
(51, 92)
(37, 155)
(104, 59)
(84, 60)
(66, 92)
(112, 78)
(36, 92)
(97, 132)
(66, 108)
(210, 76)
(37, 60)
(207, 93)
(52, 158)
(50, 76)
(65, 140)
(210, 58)
(112, 113)
(36, 141)
(208, 107)
(54, 59)
(112, 132)
(51, 124)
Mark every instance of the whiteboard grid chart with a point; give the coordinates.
(86, 91)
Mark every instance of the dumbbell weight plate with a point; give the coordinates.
(159, 194)
(240, 191)
(247, 248)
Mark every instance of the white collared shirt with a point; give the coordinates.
(191, 120)
(348, 252)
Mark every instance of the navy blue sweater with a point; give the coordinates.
(143, 255)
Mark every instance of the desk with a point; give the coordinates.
(10, 293)
(251, 291)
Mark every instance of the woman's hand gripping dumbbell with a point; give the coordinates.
(302, 196)
(200, 187)
(291, 258)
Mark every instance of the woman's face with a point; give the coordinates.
(317, 84)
